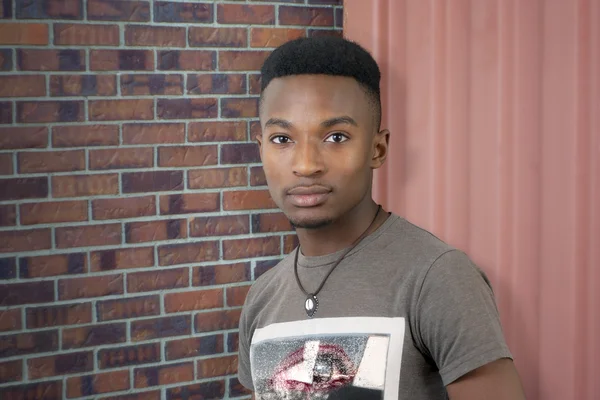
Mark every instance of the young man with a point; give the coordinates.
(368, 306)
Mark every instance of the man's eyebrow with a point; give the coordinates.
(339, 120)
(282, 123)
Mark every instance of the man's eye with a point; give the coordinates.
(280, 139)
(337, 138)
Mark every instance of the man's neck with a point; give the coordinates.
(341, 233)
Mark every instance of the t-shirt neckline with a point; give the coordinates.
(324, 260)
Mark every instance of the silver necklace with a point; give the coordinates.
(311, 304)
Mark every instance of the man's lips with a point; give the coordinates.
(308, 196)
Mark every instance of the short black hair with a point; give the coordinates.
(325, 55)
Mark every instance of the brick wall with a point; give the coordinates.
(133, 209)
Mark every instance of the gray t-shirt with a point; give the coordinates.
(403, 315)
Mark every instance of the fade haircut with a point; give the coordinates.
(326, 55)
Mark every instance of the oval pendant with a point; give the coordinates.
(311, 305)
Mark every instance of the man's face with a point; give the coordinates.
(319, 145)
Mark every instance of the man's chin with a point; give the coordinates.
(309, 223)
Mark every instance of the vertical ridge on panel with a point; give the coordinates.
(582, 191)
(457, 122)
(482, 131)
(523, 332)
(557, 281)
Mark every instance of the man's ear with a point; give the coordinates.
(381, 143)
(258, 138)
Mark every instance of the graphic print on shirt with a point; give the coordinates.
(328, 358)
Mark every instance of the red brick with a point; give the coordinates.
(156, 328)
(152, 181)
(187, 108)
(148, 395)
(94, 335)
(96, 286)
(8, 215)
(6, 163)
(22, 86)
(49, 9)
(51, 60)
(217, 320)
(28, 343)
(85, 135)
(60, 364)
(271, 222)
(118, 10)
(220, 274)
(6, 59)
(241, 60)
(189, 203)
(29, 240)
(49, 111)
(245, 14)
(168, 11)
(6, 112)
(247, 200)
(138, 257)
(163, 375)
(206, 390)
(218, 37)
(121, 158)
(40, 390)
(85, 185)
(153, 133)
(106, 382)
(213, 367)
(129, 355)
(121, 60)
(123, 207)
(239, 108)
(187, 156)
(69, 314)
(8, 268)
(129, 307)
(165, 36)
(256, 247)
(151, 84)
(309, 16)
(290, 242)
(325, 32)
(83, 85)
(196, 300)
(151, 231)
(23, 188)
(194, 347)
(254, 83)
(174, 254)
(191, 60)
(51, 161)
(220, 225)
(53, 212)
(52, 265)
(236, 295)
(216, 84)
(86, 35)
(240, 153)
(90, 235)
(117, 110)
(11, 371)
(10, 320)
(274, 37)
(233, 339)
(157, 280)
(20, 33)
(217, 131)
(217, 178)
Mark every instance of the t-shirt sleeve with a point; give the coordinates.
(458, 323)
(244, 369)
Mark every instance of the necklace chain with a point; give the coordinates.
(313, 296)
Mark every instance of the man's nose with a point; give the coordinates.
(308, 160)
